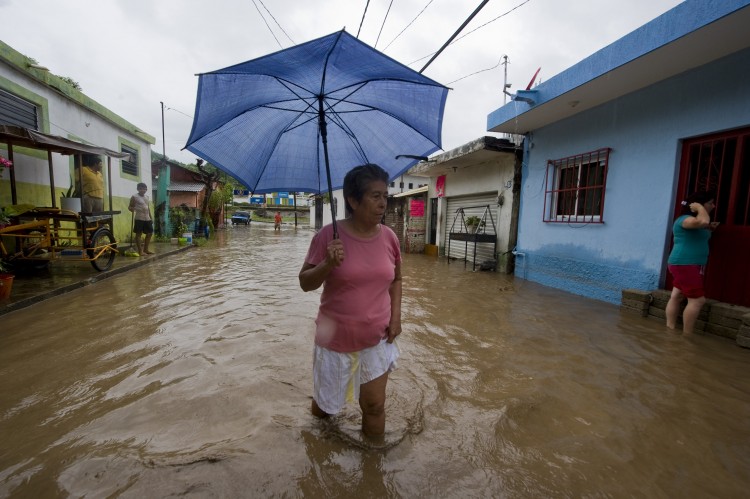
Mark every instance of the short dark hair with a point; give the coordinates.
(701, 197)
(90, 159)
(141, 184)
(358, 179)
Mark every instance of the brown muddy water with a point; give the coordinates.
(191, 377)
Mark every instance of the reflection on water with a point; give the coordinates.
(191, 376)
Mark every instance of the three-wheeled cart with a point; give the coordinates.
(39, 235)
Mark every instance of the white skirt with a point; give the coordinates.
(337, 376)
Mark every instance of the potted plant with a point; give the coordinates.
(70, 199)
(5, 163)
(473, 223)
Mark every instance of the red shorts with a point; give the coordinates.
(688, 279)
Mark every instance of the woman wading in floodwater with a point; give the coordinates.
(360, 307)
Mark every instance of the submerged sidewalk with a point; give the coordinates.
(62, 276)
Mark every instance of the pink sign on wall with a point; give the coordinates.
(417, 208)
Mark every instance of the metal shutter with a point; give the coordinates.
(473, 205)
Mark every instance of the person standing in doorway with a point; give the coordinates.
(277, 221)
(691, 232)
(360, 307)
(143, 224)
(93, 184)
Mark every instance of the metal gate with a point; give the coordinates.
(473, 206)
(721, 163)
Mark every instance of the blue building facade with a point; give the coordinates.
(604, 148)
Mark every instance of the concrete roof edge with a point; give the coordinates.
(684, 19)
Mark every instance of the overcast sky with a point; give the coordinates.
(130, 55)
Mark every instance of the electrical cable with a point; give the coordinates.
(267, 26)
(477, 72)
(363, 17)
(472, 31)
(177, 111)
(277, 22)
(410, 23)
(491, 21)
(476, 11)
(381, 26)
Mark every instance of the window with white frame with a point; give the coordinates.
(575, 186)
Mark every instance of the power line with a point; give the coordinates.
(472, 31)
(381, 26)
(412, 22)
(477, 72)
(277, 22)
(492, 20)
(177, 111)
(363, 17)
(476, 11)
(267, 26)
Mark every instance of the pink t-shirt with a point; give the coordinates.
(355, 307)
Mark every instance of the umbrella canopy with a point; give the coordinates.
(294, 119)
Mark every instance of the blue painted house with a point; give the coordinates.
(615, 142)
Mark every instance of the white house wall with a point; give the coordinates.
(644, 130)
(59, 115)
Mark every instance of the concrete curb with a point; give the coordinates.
(86, 280)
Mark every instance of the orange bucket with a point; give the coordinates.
(6, 283)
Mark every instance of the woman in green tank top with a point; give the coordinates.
(691, 232)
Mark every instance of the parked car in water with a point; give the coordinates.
(241, 217)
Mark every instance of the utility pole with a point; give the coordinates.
(506, 85)
(162, 191)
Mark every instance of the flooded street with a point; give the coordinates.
(191, 376)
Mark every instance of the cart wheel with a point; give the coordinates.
(31, 250)
(101, 238)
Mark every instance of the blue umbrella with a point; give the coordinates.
(300, 118)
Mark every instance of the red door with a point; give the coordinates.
(721, 163)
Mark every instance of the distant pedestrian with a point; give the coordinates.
(277, 221)
(691, 232)
(144, 224)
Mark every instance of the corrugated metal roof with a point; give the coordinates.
(186, 187)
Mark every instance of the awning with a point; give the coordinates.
(186, 187)
(23, 137)
(412, 192)
(16, 136)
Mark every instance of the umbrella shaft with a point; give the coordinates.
(324, 139)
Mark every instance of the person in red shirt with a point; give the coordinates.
(277, 221)
(360, 307)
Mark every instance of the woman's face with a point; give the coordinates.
(709, 206)
(372, 206)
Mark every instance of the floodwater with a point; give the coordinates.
(191, 377)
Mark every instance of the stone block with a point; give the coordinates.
(636, 294)
(636, 300)
(660, 298)
(657, 313)
(743, 336)
(721, 330)
(727, 315)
